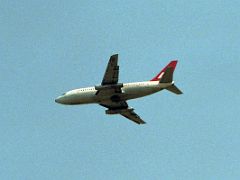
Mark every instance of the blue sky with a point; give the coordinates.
(47, 48)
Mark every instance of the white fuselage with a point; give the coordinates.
(129, 91)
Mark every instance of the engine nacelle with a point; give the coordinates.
(110, 86)
(118, 111)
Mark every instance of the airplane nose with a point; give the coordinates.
(58, 99)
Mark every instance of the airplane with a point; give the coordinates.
(114, 95)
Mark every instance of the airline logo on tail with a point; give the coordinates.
(172, 65)
(160, 75)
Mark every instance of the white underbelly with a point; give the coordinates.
(136, 92)
(82, 98)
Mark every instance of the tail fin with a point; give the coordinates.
(166, 76)
(167, 73)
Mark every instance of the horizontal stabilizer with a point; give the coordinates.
(174, 89)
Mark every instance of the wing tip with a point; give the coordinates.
(114, 56)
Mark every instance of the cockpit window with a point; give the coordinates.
(64, 94)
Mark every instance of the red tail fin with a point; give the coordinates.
(171, 65)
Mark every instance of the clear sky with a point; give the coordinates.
(50, 47)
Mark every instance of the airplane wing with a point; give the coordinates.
(132, 116)
(112, 71)
(116, 107)
(124, 110)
